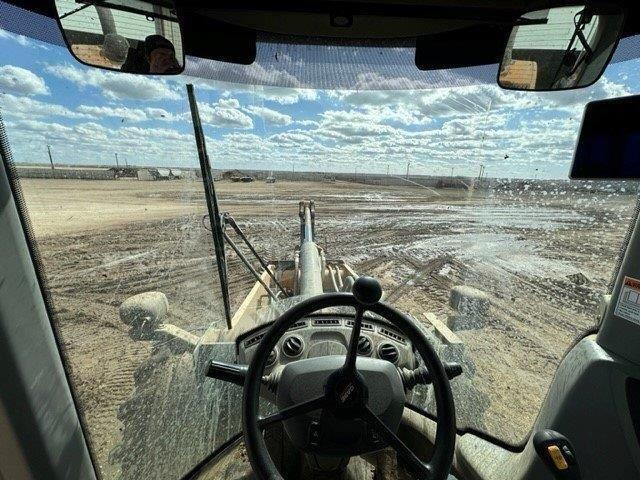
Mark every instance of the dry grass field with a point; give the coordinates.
(102, 241)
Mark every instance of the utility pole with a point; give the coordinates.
(408, 163)
(452, 171)
(387, 169)
(480, 174)
(50, 157)
(117, 164)
(126, 164)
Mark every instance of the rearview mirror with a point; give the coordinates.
(126, 35)
(560, 48)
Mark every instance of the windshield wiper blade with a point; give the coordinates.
(212, 203)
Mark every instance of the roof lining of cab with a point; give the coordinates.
(296, 61)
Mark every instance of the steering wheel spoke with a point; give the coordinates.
(293, 411)
(417, 465)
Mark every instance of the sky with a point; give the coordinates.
(381, 124)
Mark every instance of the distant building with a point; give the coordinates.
(165, 174)
(234, 175)
(147, 174)
(124, 172)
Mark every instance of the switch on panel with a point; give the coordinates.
(557, 457)
(555, 450)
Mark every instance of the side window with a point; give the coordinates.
(108, 171)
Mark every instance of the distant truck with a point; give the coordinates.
(246, 179)
(271, 178)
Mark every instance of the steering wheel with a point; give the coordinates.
(360, 399)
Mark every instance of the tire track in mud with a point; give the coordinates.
(93, 275)
(422, 273)
(102, 361)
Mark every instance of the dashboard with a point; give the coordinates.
(322, 335)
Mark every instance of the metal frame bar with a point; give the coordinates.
(249, 266)
(229, 220)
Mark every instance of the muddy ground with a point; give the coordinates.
(543, 257)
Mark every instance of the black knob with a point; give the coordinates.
(367, 290)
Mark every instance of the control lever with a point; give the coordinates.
(558, 455)
(411, 378)
(227, 372)
(234, 373)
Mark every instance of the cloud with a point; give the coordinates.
(229, 103)
(132, 114)
(287, 96)
(351, 126)
(291, 138)
(435, 129)
(129, 114)
(93, 131)
(270, 116)
(472, 99)
(52, 129)
(21, 40)
(225, 113)
(94, 143)
(162, 114)
(21, 81)
(254, 74)
(570, 99)
(307, 123)
(27, 107)
(117, 85)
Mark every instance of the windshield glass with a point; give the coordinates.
(442, 186)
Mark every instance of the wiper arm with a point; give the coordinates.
(581, 19)
(212, 204)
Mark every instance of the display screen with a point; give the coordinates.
(609, 142)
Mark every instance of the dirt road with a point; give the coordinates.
(543, 258)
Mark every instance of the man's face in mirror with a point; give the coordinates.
(163, 60)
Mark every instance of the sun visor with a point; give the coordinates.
(461, 48)
(211, 39)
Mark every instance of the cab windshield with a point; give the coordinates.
(432, 182)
